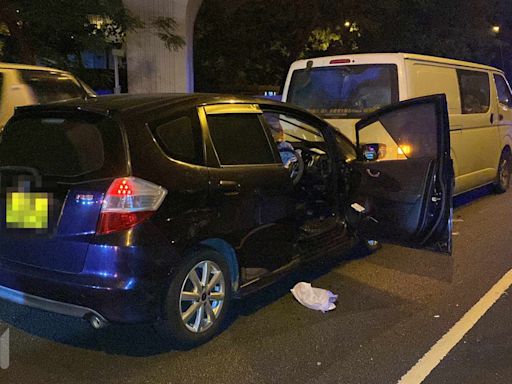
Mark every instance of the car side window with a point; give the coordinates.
(403, 134)
(475, 91)
(240, 139)
(180, 139)
(1, 88)
(504, 95)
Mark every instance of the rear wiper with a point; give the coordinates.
(21, 169)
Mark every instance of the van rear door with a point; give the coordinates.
(55, 167)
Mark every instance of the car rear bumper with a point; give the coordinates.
(22, 298)
(111, 299)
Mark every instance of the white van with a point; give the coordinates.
(26, 84)
(343, 89)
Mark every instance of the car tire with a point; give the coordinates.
(195, 312)
(504, 169)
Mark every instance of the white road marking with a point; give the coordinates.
(438, 352)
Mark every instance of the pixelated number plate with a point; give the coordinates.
(27, 210)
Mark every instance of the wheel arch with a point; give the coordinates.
(225, 249)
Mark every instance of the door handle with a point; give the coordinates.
(500, 117)
(371, 173)
(229, 187)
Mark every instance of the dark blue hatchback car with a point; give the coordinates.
(161, 209)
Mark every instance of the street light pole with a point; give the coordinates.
(117, 86)
(496, 31)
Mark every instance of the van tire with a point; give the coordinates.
(173, 328)
(504, 170)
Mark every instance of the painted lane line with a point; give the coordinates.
(438, 352)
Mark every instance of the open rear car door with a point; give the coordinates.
(403, 177)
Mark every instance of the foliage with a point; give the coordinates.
(239, 43)
(165, 30)
(57, 31)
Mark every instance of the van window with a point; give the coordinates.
(239, 138)
(180, 139)
(504, 95)
(50, 86)
(63, 145)
(474, 91)
(348, 91)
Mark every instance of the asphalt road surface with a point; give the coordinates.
(393, 307)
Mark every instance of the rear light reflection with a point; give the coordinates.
(117, 221)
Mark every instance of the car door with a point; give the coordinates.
(405, 197)
(249, 187)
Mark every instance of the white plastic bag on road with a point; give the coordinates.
(314, 298)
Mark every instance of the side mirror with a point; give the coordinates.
(373, 151)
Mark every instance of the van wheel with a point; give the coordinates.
(197, 301)
(503, 177)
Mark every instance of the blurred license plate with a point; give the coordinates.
(26, 210)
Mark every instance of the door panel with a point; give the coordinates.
(395, 196)
(251, 190)
(406, 197)
(255, 213)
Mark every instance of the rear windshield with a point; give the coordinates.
(348, 91)
(65, 146)
(52, 86)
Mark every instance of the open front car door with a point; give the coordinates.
(403, 177)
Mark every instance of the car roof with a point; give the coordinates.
(135, 104)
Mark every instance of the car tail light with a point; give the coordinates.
(129, 201)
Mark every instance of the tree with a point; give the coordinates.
(57, 31)
(239, 43)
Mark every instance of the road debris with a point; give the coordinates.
(314, 298)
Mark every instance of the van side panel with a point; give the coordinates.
(482, 144)
(430, 78)
(14, 94)
(504, 120)
(475, 142)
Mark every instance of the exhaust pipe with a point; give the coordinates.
(97, 322)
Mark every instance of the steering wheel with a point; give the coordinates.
(295, 167)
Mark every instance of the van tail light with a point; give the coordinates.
(339, 61)
(128, 202)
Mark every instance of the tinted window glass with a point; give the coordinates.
(289, 132)
(474, 91)
(52, 86)
(1, 87)
(504, 95)
(409, 132)
(63, 146)
(240, 139)
(179, 138)
(344, 91)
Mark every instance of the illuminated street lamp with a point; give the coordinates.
(496, 30)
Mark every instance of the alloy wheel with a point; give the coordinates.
(202, 296)
(504, 173)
